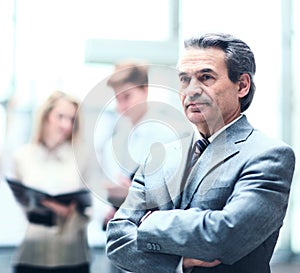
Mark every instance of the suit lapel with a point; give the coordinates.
(175, 167)
(220, 150)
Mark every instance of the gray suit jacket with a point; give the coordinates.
(231, 209)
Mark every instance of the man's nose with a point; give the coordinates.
(194, 88)
(121, 107)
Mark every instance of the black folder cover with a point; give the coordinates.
(30, 199)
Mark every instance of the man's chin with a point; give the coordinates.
(196, 117)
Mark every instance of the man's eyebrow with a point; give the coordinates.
(204, 70)
(182, 73)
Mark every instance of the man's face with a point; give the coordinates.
(131, 100)
(209, 98)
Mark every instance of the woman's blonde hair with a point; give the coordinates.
(47, 107)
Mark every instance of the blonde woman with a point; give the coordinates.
(47, 164)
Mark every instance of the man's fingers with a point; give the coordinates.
(189, 262)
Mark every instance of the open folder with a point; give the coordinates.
(31, 198)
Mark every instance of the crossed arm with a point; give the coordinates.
(254, 211)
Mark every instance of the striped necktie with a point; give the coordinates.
(198, 149)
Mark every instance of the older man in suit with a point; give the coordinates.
(222, 214)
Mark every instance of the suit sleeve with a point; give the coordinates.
(122, 233)
(253, 212)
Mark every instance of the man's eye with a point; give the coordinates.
(206, 77)
(185, 79)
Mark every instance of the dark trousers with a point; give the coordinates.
(62, 269)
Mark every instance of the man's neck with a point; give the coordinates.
(135, 120)
(213, 136)
(215, 133)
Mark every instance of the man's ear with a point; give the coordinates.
(244, 84)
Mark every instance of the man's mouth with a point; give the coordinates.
(196, 106)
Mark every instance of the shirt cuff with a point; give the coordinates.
(180, 269)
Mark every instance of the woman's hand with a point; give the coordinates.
(61, 210)
(189, 262)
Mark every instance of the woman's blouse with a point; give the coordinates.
(54, 172)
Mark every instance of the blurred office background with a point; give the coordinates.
(73, 45)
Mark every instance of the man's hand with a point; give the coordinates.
(116, 193)
(189, 262)
(108, 216)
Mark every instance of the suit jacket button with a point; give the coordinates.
(149, 246)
